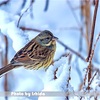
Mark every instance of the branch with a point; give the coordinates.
(93, 77)
(55, 72)
(92, 52)
(93, 28)
(4, 2)
(66, 47)
(74, 14)
(46, 5)
(24, 12)
(5, 63)
(29, 29)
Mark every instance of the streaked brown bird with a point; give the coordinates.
(38, 53)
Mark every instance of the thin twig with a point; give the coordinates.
(31, 10)
(55, 72)
(5, 63)
(6, 49)
(30, 29)
(93, 28)
(70, 28)
(24, 12)
(92, 52)
(66, 47)
(90, 81)
(63, 55)
(85, 78)
(4, 2)
(80, 40)
(23, 4)
(93, 77)
(46, 5)
(89, 74)
(69, 76)
(74, 14)
(1, 49)
(69, 59)
(67, 98)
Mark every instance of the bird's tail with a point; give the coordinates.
(6, 69)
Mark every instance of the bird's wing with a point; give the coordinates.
(30, 53)
(37, 52)
(20, 58)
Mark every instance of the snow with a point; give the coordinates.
(59, 84)
(57, 19)
(18, 37)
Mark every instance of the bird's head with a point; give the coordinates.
(46, 38)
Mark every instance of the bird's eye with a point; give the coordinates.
(47, 38)
(42, 39)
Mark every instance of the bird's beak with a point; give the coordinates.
(55, 38)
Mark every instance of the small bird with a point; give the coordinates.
(38, 53)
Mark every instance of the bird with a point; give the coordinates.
(38, 53)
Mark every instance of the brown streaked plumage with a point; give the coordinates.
(39, 52)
